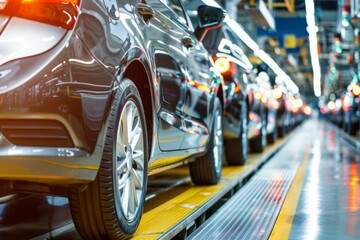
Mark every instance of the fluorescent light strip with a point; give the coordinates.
(242, 34)
(261, 54)
(310, 19)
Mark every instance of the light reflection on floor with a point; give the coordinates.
(329, 203)
(328, 208)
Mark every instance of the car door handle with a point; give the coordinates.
(146, 12)
(187, 42)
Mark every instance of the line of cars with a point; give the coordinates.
(343, 108)
(341, 104)
(97, 95)
(259, 107)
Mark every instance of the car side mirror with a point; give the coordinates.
(208, 18)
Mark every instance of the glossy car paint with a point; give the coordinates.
(350, 111)
(222, 42)
(256, 106)
(65, 90)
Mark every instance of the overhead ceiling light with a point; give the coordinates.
(310, 19)
(260, 53)
(241, 33)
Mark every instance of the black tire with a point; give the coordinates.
(344, 126)
(339, 122)
(237, 149)
(258, 143)
(271, 137)
(352, 128)
(281, 130)
(206, 170)
(98, 211)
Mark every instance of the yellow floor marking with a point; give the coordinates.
(169, 208)
(284, 221)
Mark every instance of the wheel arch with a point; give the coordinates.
(137, 72)
(220, 95)
(247, 99)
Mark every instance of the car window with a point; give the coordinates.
(176, 7)
(165, 61)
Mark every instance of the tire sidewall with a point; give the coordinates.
(217, 112)
(128, 92)
(263, 128)
(244, 131)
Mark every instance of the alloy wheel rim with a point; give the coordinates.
(244, 136)
(263, 133)
(244, 140)
(129, 171)
(217, 150)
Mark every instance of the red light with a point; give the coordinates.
(223, 65)
(252, 116)
(277, 93)
(350, 59)
(346, 9)
(323, 109)
(237, 88)
(337, 38)
(204, 88)
(55, 12)
(346, 102)
(3, 4)
(50, 1)
(200, 86)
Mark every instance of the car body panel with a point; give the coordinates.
(66, 93)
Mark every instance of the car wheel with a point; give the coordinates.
(258, 143)
(237, 149)
(206, 170)
(281, 130)
(352, 126)
(111, 206)
(271, 137)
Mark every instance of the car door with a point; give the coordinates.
(199, 97)
(196, 69)
(170, 56)
(172, 92)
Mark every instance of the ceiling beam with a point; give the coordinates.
(289, 4)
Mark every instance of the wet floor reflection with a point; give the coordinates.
(24, 216)
(328, 207)
(27, 216)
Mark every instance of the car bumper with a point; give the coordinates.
(47, 165)
(53, 114)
